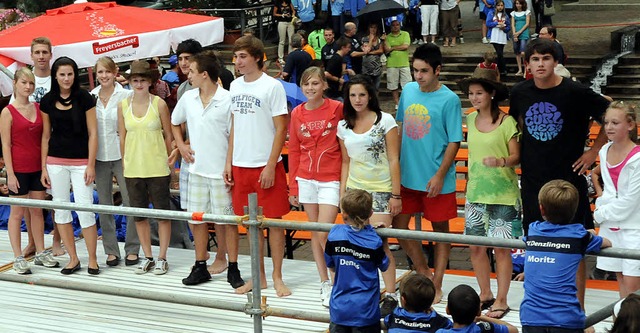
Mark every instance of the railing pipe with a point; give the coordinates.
(118, 210)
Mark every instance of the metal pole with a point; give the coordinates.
(214, 303)
(602, 314)
(129, 211)
(254, 238)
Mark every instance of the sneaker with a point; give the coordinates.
(162, 267)
(415, 41)
(234, 278)
(388, 304)
(145, 265)
(198, 275)
(21, 266)
(421, 42)
(325, 293)
(461, 40)
(45, 259)
(485, 40)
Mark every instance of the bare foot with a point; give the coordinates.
(281, 289)
(590, 330)
(438, 298)
(217, 267)
(248, 286)
(29, 250)
(57, 250)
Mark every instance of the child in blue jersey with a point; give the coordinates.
(464, 307)
(354, 252)
(416, 296)
(555, 247)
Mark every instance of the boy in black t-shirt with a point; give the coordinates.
(554, 114)
(335, 68)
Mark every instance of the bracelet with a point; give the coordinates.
(504, 159)
(396, 196)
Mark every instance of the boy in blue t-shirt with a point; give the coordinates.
(464, 307)
(354, 252)
(416, 296)
(555, 247)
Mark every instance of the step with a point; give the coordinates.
(632, 89)
(627, 69)
(625, 97)
(620, 79)
(630, 59)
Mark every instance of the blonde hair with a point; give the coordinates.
(357, 205)
(629, 110)
(559, 199)
(107, 63)
(23, 72)
(310, 72)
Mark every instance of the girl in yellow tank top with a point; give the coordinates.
(144, 126)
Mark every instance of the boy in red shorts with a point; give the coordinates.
(431, 131)
(258, 131)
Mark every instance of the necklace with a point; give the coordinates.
(64, 101)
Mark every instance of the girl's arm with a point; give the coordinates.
(122, 132)
(380, 49)
(625, 205)
(490, 22)
(92, 129)
(515, 33)
(514, 153)
(6, 120)
(393, 155)
(165, 119)
(526, 24)
(294, 155)
(44, 150)
(344, 171)
(507, 24)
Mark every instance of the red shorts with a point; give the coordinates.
(439, 209)
(274, 200)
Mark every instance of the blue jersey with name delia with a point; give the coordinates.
(552, 257)
(356, 256)
(403, 321)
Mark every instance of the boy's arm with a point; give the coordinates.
(497, 329)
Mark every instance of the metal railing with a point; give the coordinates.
(256, 305)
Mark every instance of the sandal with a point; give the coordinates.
(487, 304)
(503, 312)
(519, 73)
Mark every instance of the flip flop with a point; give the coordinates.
(503, 312)
(487, 304)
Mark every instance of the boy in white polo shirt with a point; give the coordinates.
(258, 131)
(205, 110)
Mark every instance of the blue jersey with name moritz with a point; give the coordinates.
(403, 321)
(356, 256)
(552, 257)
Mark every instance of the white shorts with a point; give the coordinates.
(208, 195)
(315, 192)
(625, 239)
(397, 75)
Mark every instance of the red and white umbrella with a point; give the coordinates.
(86, 31)
(8, 66)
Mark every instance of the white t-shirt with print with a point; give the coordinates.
(254, 105)
(368, 162)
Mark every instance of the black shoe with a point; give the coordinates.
(113, 262)
(93, 271)
(234, 278)
(387, 306)
(198, 275)
(67, 271)
(131, 262)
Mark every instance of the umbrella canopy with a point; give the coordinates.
(86, 31)
(9, 66)
(379, 10)
(295, 96)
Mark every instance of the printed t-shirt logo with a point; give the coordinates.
(543, 121)
(417, 121)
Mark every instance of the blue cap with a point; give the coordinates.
(173, 60)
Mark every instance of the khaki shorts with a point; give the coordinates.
(398, 74)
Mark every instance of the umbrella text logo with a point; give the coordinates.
(116, 44)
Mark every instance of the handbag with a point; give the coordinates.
(549, 10)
